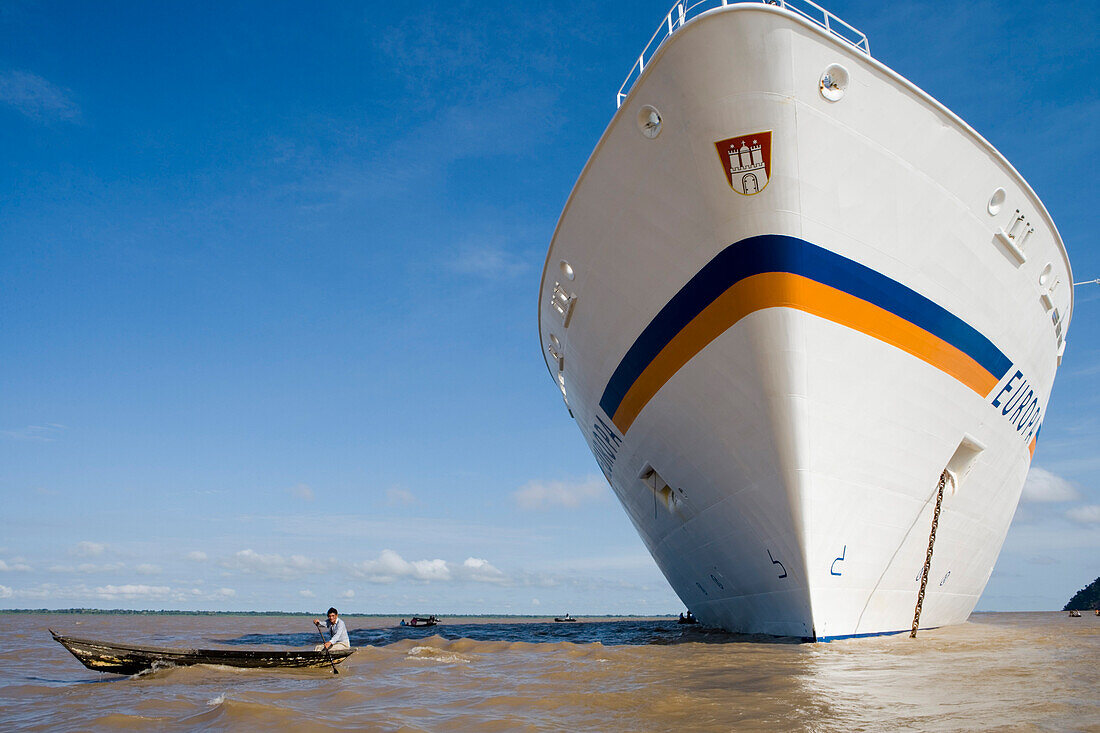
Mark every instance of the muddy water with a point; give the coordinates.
(1023, 671)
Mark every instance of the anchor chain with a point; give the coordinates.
(928, 558)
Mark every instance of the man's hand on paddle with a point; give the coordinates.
(317, 623)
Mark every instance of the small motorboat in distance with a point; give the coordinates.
(1075, 613)
(566, 619)
(689, 619)
(421, 621)
(103, 656)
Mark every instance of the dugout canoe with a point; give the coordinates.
(103, 656)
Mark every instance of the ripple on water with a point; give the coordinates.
(1002, 670)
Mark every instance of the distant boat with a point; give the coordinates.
(421, 621)
(566, 619)
(1075, 613)
(689, 619)
(103, 656)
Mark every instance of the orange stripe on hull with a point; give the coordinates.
(784, 290)
(1031, 447)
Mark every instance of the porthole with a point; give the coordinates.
(833, 83)
(649, 121)
(567, 270)
(996, 201)
(1044, 276)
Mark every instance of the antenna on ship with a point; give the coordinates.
(1088, 282)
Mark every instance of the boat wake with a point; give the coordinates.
(433, 654)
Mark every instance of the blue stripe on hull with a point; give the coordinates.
(780, 253)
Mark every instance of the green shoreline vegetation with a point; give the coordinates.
(1085, 599)
(149, 612)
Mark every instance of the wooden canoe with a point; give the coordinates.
(105, 656)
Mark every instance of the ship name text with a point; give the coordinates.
(605, 445)
(1019, 402)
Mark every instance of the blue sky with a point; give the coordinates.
(267, 298)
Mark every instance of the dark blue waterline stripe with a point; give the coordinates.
(873, 633)
(781, 253)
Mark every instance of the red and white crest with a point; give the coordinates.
(747, 161)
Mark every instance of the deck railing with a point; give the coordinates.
(682, 12)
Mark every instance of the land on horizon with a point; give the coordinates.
(169, 612)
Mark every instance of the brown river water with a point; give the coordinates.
(999, 671)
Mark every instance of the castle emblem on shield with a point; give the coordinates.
(747, 161)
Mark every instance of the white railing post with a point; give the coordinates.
(677, 17)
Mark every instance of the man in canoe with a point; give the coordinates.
(337, 632)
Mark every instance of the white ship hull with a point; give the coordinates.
(774, 371)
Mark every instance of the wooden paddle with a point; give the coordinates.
(327, 655)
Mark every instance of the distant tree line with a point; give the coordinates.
(169, 612)
(1085, 599)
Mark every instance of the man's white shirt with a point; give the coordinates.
(338, 632)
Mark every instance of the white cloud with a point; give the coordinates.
(307, 594)
(301, 491)
(43, 433)
(567, 494)
(105, 567)
(386, 532)
(16, 565)
(275, 566)
(490, 260)
(5, 591)
(37, 98)
(478, 570)
(87, 568)
(399, 497)
(535, 602)
(390, 567)
(130, 592)
(147, 569)
(1088, 514)
(219, 594)
(196, 555)
(1044, 486)
(42, 592)
(349, 593)
(89, 549)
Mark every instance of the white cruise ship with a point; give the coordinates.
(807, 321)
